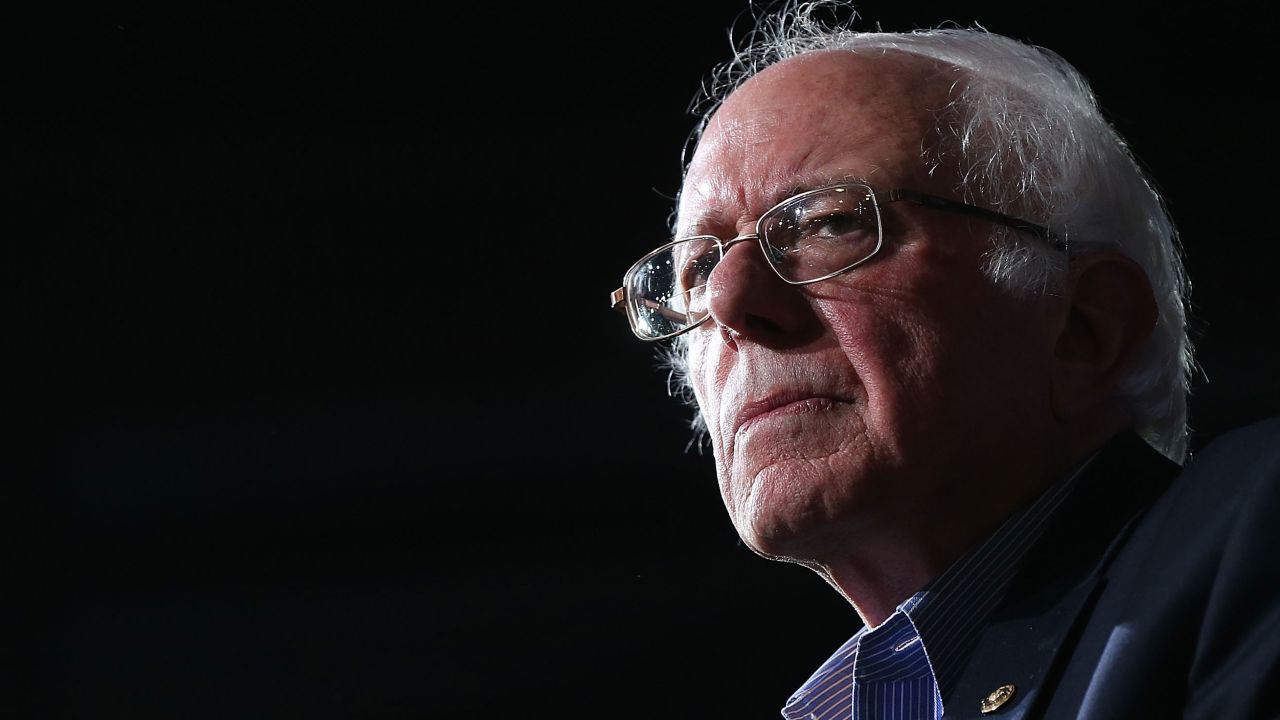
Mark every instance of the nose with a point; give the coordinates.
(746, 297)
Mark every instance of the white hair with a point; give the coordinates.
(1025, 136)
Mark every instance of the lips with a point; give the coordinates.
(778, 404)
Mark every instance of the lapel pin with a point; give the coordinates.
(997, 698)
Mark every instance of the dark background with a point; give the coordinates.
(322, 406)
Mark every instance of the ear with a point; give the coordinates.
(1108, 315)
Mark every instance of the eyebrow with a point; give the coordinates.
(816, 182)
(713, 215)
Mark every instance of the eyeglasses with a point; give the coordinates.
(810, 237)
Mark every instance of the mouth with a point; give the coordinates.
(779, 406)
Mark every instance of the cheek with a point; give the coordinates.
(702, 377)
(708, 376)
(930, 364)
(695, 366)
(890, 346)
(900, 358)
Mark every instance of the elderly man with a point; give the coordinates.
(932, 316)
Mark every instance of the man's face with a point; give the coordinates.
(864, 407)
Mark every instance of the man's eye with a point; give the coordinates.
(831, 226)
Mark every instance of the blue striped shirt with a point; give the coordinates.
(901, 669)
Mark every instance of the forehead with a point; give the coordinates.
(812, 119)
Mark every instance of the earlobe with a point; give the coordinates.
(1108, 316)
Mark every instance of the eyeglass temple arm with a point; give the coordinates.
(618, 300)
(934, 201)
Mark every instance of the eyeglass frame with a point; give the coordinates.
(619, 299)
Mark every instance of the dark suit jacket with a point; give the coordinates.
(1154, 593)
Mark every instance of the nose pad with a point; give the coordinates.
(773, 254)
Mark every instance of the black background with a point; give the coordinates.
(325, 410)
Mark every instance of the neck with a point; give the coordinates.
(875, 590)
(879, 570)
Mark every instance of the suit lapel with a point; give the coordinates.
(1032, 632)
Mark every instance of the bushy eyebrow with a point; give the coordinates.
(714, 216)
(814, 183)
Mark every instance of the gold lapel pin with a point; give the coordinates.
(996, 698)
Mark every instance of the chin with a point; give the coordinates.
(781, 513)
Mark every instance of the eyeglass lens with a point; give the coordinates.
(818, 234)
(667, 288)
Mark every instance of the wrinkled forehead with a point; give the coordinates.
(818, 117)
